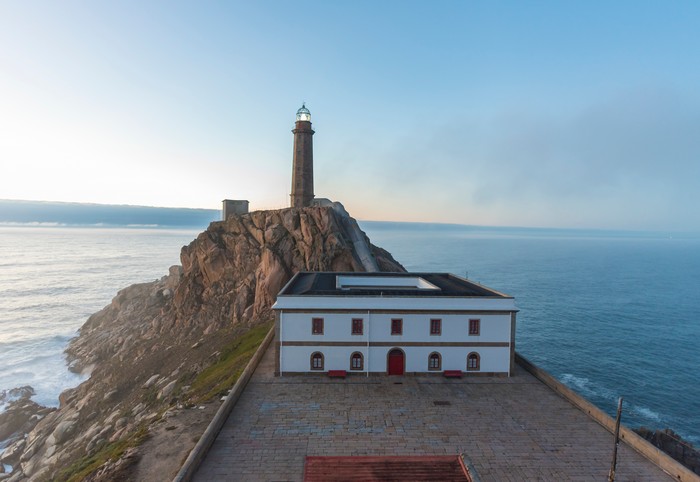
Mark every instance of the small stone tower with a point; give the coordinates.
(303, 164)
(233, 207)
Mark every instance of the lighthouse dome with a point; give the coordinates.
(303, 113)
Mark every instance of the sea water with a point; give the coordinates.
(53, 279)
(609, 314)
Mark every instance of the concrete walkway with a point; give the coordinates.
(512, 429)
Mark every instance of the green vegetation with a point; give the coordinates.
(212, 382)
(219, 378)
(86, 465)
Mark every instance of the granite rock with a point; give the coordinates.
(228, 281)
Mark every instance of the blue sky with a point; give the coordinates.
(561, 114)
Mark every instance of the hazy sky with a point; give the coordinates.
(561, 114)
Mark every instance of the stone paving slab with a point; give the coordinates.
(512, 429)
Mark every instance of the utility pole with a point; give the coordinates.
(613, 466)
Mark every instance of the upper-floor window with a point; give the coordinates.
(357, 326)
(435, 327)
(473, 361)
(317, 361)
(317, 326)
(356, 361)
(434, 361)
(474, 327)
(396, 326)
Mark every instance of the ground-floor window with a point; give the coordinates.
(317, 361)
(434, 361)
(356, 361)
(473, 361)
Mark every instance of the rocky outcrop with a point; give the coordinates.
(235, 269)
(144, 349)
(671, 443)
(19, 418)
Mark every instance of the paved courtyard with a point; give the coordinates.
(511, 429)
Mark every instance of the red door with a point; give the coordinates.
(396, 362)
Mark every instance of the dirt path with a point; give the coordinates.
(170, 441)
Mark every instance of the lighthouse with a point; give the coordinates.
(303, 160)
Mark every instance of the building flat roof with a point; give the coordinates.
(385, 284)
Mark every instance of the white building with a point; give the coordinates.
(393, 323)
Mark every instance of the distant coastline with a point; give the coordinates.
(522, 231)
(62, 214)
(19, 213)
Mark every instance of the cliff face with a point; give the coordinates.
(230, 275)
(235, 269)
(146, 347)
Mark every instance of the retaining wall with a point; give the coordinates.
(661, 459)
(200, 450)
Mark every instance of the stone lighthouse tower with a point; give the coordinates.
(303, 165)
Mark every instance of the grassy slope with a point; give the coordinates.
(212, 382)
(217, 379)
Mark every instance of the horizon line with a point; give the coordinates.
(451, 224)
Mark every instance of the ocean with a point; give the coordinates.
(53, 278)
(609, 314)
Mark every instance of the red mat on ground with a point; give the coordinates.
(398, 468)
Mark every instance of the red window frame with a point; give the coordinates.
(317, 326)
(357, 326)
(474, 327)
(397, 326)
(435, 326)
(361, 363)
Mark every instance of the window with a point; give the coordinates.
(317, 361)
(474, 326)
(356, 361)
(473, 362)
(396, 326)
(317, 326)
(435, 327)
(434, 361)
(357, 326)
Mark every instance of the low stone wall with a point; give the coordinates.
(646, 449)
(674, 445)
(205, 442)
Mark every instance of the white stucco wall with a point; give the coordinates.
(337, 328)
(416, 327)
(393, 303)
(297, 358)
